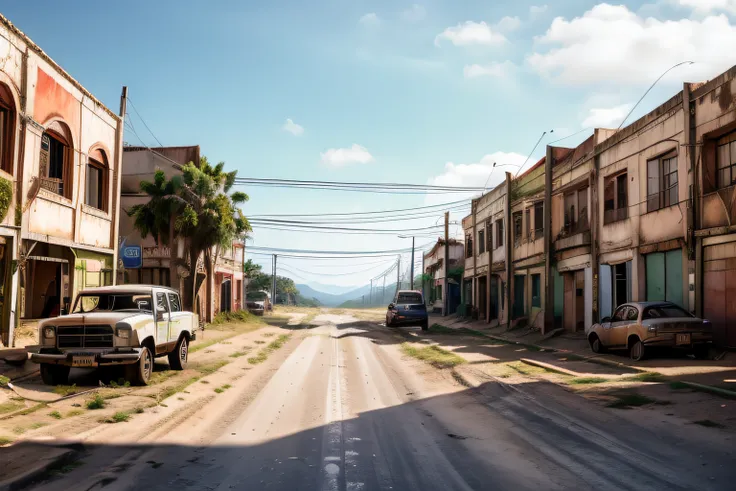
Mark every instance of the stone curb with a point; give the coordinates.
(551, 368)
(713, 390)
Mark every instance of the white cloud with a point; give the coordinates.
(469, 33)
(339, 157)
(293, 128)
(496, 70)
(370, 19)
(508, 24)
(535, 10)
(415, 13)
(606, 117)
(708, 6)
(612, 44)
(476, 174)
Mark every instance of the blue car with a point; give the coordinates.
(408, 309)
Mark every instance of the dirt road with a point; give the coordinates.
(340, 407)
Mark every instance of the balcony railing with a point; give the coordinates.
(53, 184)
(574, 227)
(618, 214)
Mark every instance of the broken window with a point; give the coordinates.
(481, 242)
(662, 182)
(726, 160)
(615, 199)
(538, 220)
(576, 212)
(499, 233)
(468, 245)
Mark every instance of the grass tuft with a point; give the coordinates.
(677, 385)
(646, 377)
(238, 354)
(10, 407)
(74, 412)
(118, 417)
(66, 390)
(587, 380)
(4, 440)
(210, 368)
(4, 381)
(97, 402)
(434, 355)
(55, 414)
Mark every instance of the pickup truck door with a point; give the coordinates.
(162, 319)
(178, 320)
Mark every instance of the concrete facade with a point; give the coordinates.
(434, 265)
(61, 155)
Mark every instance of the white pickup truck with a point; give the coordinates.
(124, 325)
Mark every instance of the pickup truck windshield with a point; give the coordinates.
(112, 303)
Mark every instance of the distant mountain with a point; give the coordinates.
(331, 289)
(334, 300)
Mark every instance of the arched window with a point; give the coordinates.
(7, 129)
(57, 159)
(96, 183)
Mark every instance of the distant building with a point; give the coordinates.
(434, 265)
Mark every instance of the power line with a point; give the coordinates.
(365, 185)
(296, 226)
(144, 122)
(465, 201)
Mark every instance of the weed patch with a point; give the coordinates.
(10, 407)
(222, 389)
(238, 316)
(434, 355)
(33, 409)
(19, 430)
(629, 400)
(259, 341)
(4, 381)
(270, 348)
(170, 391)
(66, 390)
(118, 417)
(210, 368)
(74, 412)
(677, 385)
(238, 354)
(97, 402)
(55, 414)
(4, 440)
(587, 380)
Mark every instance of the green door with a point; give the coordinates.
(655, 276)
(673, 267)
(518, 310)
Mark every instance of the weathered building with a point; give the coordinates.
(642, 210)
(228, 285)
(485, 276)
(59, 176)
(434, 265)
(711, 127)
(571, 265)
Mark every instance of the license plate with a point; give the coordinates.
(683, 339)
(83, 361)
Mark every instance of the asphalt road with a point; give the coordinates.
(343, 411)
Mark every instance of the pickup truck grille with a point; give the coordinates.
(84, 337)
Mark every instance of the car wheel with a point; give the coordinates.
(178, 358)
(595, 344)
(54, 374)
(425, 325)
(140, 373)
(637, 350)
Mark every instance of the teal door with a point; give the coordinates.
(518, 310)
(673, 268)
(655, 276)
(664, 276)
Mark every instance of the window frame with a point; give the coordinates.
(499, 233)
(662, 196)
(66, 164)
(518, 220)
(528, 223)
(619, 211)
(729, 142)
(468, 246)
(538, 230)
(102, 184)
(171, 295)
(7, 134)
(481, 241)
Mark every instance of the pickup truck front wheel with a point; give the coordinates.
(54, 374)
(178, 358)
(140, 373)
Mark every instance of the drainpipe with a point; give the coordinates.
(474, 211)
(594, 219)
(694, 244)
(489, 243)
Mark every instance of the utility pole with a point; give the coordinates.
(445, 298)
(118, 179)
(273, 287)
(412, 263)
(370, 298)
(383, 290)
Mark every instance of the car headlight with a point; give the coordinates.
(652, 329)
(49, 332)
(123, 333)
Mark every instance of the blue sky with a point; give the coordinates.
(416, 91)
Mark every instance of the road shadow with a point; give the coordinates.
(513, 441)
